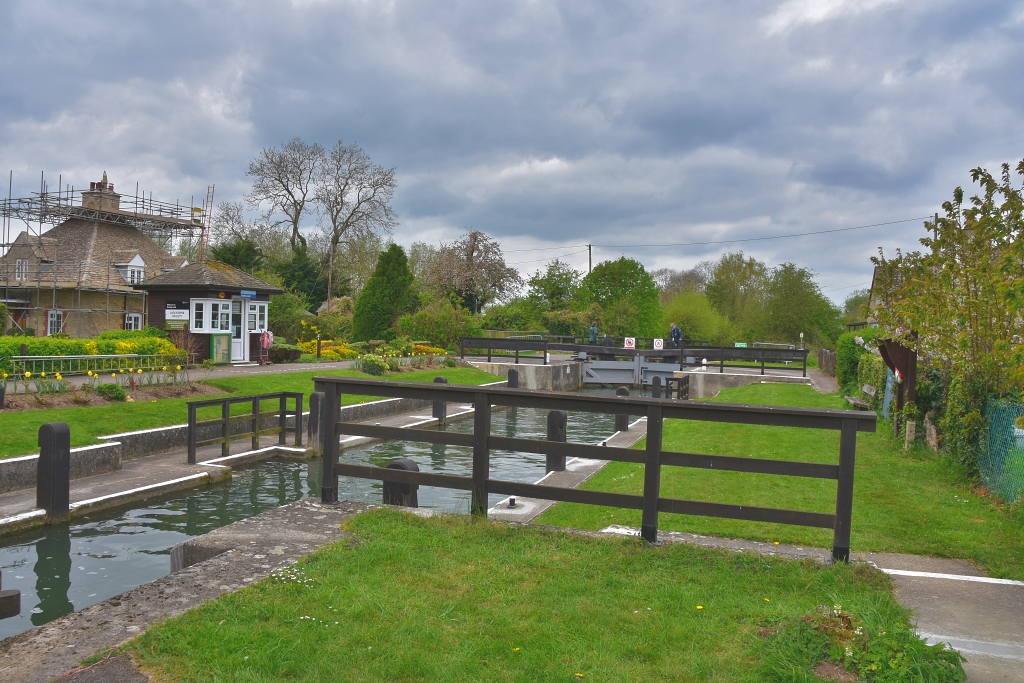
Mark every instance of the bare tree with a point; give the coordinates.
(231, 225)
(671, 282)
(473, 268)
(352, 194)
(283, 180)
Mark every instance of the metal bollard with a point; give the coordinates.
(622, 421)
(53, 473)
(313, 423)
(3, 395)
(10, 602)
(396, 493)
(656, 387)
(440, 412)
(556, 432)
(513, 379)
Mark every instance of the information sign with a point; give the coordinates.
(630, 343)
(659, 344)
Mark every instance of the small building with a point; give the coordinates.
(225, 308)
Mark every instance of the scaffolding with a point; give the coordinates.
(173, 227)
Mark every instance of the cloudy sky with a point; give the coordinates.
(545, 124)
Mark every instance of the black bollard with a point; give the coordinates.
(396, 493)
(440, 407)
(3, 395)
(53, 473)
(622, 421)
(313, 423)
(556, 432)
(513, 379)
(656, 387)
(10, 602)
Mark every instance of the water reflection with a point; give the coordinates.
(53, 575)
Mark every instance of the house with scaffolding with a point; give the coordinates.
(78, 271)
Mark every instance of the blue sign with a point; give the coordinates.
(248, 294)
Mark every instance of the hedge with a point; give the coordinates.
(848, 353)
(50, 346)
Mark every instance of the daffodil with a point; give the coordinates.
(140, 371)
(27, 375)
(42, 374)
(177, 367)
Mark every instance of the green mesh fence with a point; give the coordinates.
(1001, 452)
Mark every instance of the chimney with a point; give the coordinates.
(101, 196)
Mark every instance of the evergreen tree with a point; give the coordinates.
(387, 294)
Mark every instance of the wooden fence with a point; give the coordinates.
(254, 417)
(651, 503)
(827, 361)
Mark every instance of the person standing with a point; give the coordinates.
(593, 332)
(675, 336)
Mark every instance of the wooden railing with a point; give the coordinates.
(827, 361)
(254, 417)
(651, 503)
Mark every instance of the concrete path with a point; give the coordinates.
(822, 382)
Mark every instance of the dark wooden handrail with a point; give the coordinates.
(847, 422)
(254, 417)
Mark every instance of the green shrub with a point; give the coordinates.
(284, 353)
(450, 363)
(387, 294)
(3, 318)
(111, 392)
(871, 370)
(439, 322)
(148, 331)
(848, 353)
(697, 318)
(373, 365)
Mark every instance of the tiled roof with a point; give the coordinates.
(213, 274)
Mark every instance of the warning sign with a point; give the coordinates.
(630, 343)
(659, 344)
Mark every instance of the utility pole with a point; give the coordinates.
(590, 257)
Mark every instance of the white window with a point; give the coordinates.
(21, 269)
(54, 322)
(211, 316)
(261, 312)
(198, 319)
(133, 321)
(250, 324)
(135, 275)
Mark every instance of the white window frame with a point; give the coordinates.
(52, 317)
(136, 275)
(197, 312)
(216, 316)
(133, 321)
(21, 269)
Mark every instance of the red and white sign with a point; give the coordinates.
(630, 343)
(659, 344)
(267, 339)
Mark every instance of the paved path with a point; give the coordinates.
(243, 370)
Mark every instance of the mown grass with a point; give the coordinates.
(20, 429)
(911, 502)
(452, 599)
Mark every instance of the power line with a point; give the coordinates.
(573, 253)
(564, 246)
(839, 289)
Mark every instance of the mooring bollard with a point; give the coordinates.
(10, 601)
(656, 387)
(513, 379)
(556, 432)
(440, 407)
(396, 493)
(622, 421)
(3, 395)
(313, 423)
(53, 473)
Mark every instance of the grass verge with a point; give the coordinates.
(452, 599)
(912, 502)
(20, 430)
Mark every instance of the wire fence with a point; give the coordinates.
(1001, 451)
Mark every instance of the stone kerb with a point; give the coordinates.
(20, 473)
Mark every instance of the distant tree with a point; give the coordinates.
(792, 303)
(697, 318)
(242, 254)
(286, 313)
(283, 181)
(440, 322)
(671, 282)
(627, 296)
(855, 305)
(305, 277)
(387, 295)
(736, 288)
(472, 269)
(556, 288)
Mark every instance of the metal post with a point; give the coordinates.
(298, 419)
(255, 422)
(440, 411)
(489, 347)
(513, 378)
(517, 352)
(313, 426)
(805, 363)
(622, 421)
(656, 386)
(481, 454)
(556, 432)
(652, 476)
(462, 348)
(545, 352)
(225, 424)
(844, 491)
(282, 418)
(191, 434)
(721, 361)
(330, 411)
(53, 473)
(762, 361)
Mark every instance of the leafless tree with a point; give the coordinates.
(353, 195)
(231, 225)
(670, 282)
(283, 181)
(473, 268)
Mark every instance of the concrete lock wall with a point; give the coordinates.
(709, 384)
(20, 473)
(560, 377)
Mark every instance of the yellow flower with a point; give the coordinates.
(43, 374)
(165, 368)
(27, 375)
(515, 649)
(121, 371)
(700, 607)
(140, 371)
(177, 367)
(113, 374)
(59, 378)
(767, 600)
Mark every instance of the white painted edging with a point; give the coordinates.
(151, 488)
(951, 577)
(21, 517)
(978, 647)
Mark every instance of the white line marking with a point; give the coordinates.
(150, 487)
(22, 517)
(980, 647)
(952, 577)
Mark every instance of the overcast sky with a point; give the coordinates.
(545, 124)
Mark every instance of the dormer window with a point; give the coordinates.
(132, 269)
(135, 275)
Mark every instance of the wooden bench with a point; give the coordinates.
(858, 403)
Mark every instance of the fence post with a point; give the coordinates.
(313, 426)
(255, 423)
(225, 428)
(805, 363)
(440, 410)
(3, 394)
(556, 432)
(330, 408)
(721, 361)
(763, 351)
(652, 476)
(517, 352)
(844, 491)
(282, 418)
(191, 434)
(545, 352)
(298, 419)
(656, 386)
(622, 421)
(481, 454)
(53, 473)
(513, 378)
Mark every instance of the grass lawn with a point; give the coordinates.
(20, 429)
(903, 502)
(452, 599)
